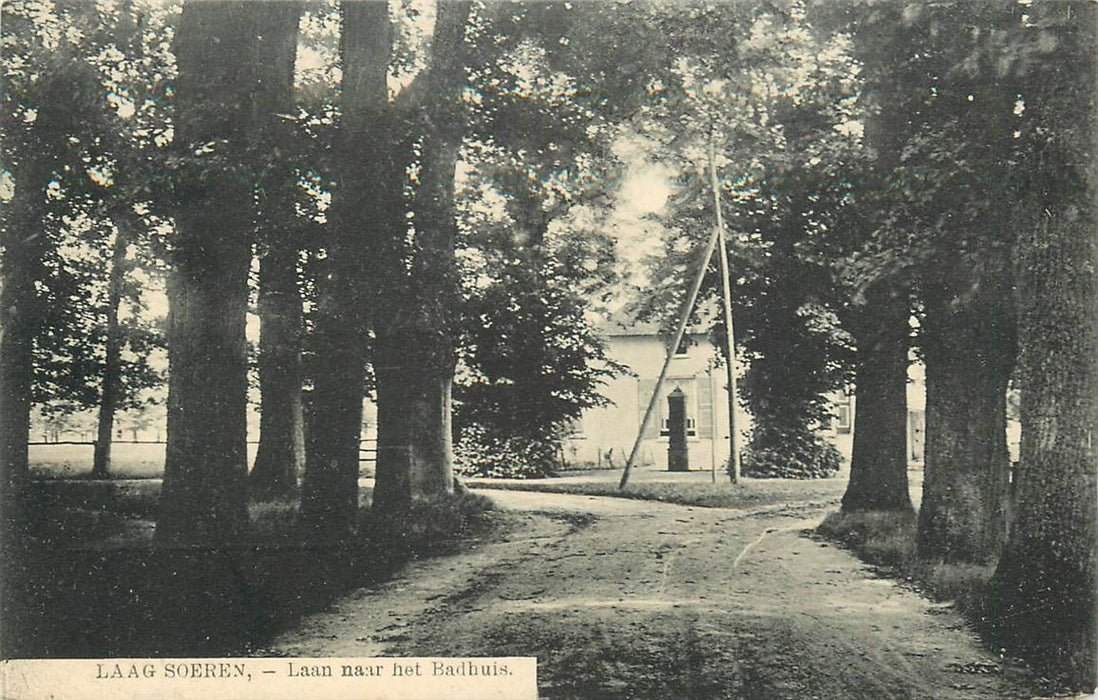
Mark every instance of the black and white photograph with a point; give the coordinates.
(589, 349)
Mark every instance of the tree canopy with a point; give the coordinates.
(437, 206)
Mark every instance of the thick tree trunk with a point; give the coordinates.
(329, 500)
(878, 464)
(432, 445)
(416, 357)
(396, 381)
(1046, 585)
(435, 268)
(431, 448)
(18, 319)
(24, 245)
(360, 215)
(281, 453)
(970, 346)
(112, 366)
(1046, 582)
(969, 350)
(415, 432)
(19, 314)
(204, 498)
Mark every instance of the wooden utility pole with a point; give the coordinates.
(684, 317)
(730, 335)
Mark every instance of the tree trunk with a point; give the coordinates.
(25, 245)
(1045, 587)
(435, 269)
(112, 366)
(19, 313)
(360, 216)
(431, 446)
(22, 257)
(878, 464)
(416, 358)
(395, 382)
(281, 453)
(969, 349)
(1046, 579)
(204, 498)
(329, 500)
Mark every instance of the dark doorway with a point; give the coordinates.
(678, 458)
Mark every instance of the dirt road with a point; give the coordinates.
(638, 599)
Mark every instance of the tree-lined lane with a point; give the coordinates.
(628, 598)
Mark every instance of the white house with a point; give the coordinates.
(604, 436)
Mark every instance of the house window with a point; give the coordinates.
(691, 428)
(842, 418)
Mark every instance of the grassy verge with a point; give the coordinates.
(89, 581)
(128, 461)
(887, 540)
(746, 494)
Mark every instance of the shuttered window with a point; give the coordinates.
(705, 407)
(699, 415)
(645, 387)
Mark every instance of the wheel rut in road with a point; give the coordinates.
(623, 598)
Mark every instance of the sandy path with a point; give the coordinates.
(636, 599)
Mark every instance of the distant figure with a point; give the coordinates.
(610, 458)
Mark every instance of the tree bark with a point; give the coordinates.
(361, 217)
(204, 499)
(19, 303)
(1045, 587)
(281, 453)
(395, 382)
(1046, 581)
(25, 246)
(435, 268)
(112, 366)
(435, 288)
(415, 461)
(969, 348)
(878, 464)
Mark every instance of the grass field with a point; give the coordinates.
(693, 488)
(128, 460)
(696, 488)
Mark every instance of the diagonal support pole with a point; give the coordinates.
(684, 318)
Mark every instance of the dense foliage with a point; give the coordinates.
(441, 206)
(796, 454)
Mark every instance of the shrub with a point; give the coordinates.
(884, 538)
(790, 454)
(273, 522)
(479, 454)
(426, 525)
